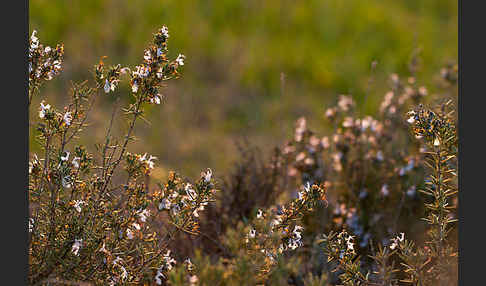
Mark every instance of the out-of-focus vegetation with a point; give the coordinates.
(252, 67)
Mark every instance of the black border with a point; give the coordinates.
(14, 210)
(472, 65)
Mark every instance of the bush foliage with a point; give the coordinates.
(372, 203)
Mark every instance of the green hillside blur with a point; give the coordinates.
(252, 67)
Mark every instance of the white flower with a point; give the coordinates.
(164, 204)
(129, 233)
(189, 264)
(107, 86)
(207, 175)
(47, 49)
(169, 261)
(379, 156)
(159, 52)
(436, 142)
(384, 190)
(160, 73)
(350, 246)
(401, 237)
(294, 244)
(148, 161)
(43, 109)
(65, 157)
(165, 31)
(76, 246)
(180, 59)
(66, 182)
(147, 56)
(325, 142)
(190, 192)
(348, 122)
(300, 195)
(156, 99)
(67, 118)
(144, 214)
(345, 102)
(307, 187)
(134, 87)
(259, 213)
(252, 233)
(396, 240)
(158, 277)
(411, 119)
(76, 162)
(136, 226)
(297, 231)
(31, 224)
(77, 205)
(35, 40)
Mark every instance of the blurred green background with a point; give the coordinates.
(252, 67)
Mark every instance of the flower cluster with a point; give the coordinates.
(44, 62)
(183, 201)
(156, 68)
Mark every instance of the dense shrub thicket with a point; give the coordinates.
(372, 203)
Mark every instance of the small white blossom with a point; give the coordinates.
(136, 226)
(31, 224)
(159, 52)
(169, 261)
(35, 40)
(384, 190)
(129, 233)
(107, 86)
(43, 109)
(147, 56)
(77, 205)
(144, 214)
(65, 157)
(252, 233)
(207, 175)
(436, 142)
(67, 118)
(76, 162)
(156, 99)
(190, 192)
(134, 87)
(164, 204)
(180, 59)
(379, 156)
(66, 182)
(165, 31)
(76, 246)
(259, 213)
(297, 231)
(158, 277)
